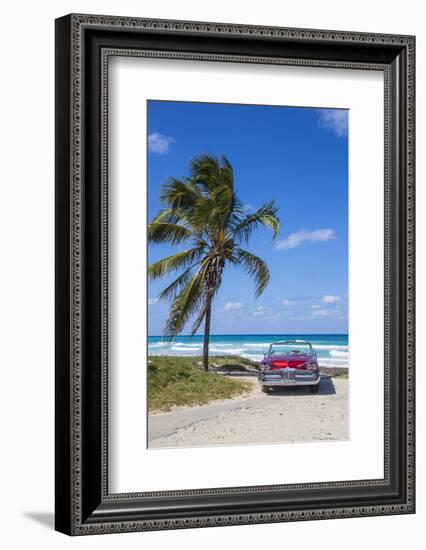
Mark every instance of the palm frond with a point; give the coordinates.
(171, 215)
(255, 267)
(171, 291)
(227, 173)
(266, 215)
(237, 212)
(209, 172)
(200, 317)
(204, 171)
(159, 232)
(201, 213)
(213, 211)
(179, 194)
(185, 304)
(181, 260)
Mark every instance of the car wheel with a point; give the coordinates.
(315, 389)
(265, 389)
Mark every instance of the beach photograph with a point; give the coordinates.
(247, 294)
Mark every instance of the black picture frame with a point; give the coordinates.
(83, 504)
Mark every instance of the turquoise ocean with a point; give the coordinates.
(332, 349)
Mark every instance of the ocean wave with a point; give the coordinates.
(186, 348)
(261, 345)
(337, 353)
(334, 354)
(330, 346)
(234, 351)
(333, 363)
(158, 344)
(185, 345)
(219, 345)
(258, 345)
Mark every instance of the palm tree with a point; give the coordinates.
(205, 211)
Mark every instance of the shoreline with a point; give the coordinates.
(332, 349)
(324, 369)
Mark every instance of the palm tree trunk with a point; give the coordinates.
(207, 336)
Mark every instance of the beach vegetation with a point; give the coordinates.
(179, 381)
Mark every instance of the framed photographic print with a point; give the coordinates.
(234, 274)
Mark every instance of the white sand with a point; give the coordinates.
(286, 415)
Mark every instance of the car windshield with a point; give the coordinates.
(290, 348)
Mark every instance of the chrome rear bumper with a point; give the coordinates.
(289, 377)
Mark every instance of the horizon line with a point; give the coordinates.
(260, 334)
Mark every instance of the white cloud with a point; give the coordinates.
(297, 238)
(286, 302)
(153, 301)
(273, 316)
(233, 306)
(321, 312)
(266, 313)
(335, 120)
(315, 306)
(299, 318)
(159, 144)
(331, 299)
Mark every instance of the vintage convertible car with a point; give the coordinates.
(292, 363)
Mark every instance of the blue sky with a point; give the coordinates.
(297, 156)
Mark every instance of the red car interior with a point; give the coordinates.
(299, 363)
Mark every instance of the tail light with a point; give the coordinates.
(312, 366)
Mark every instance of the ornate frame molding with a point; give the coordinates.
(72, 47)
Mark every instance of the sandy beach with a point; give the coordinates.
(285, 416)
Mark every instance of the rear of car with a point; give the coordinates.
(290, 363)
